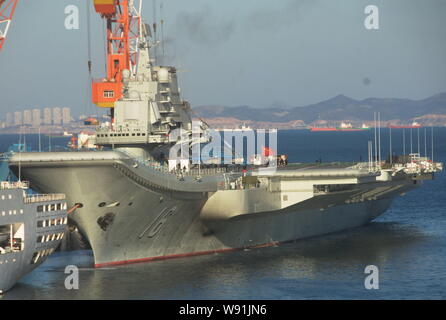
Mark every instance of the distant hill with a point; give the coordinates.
(339, 108)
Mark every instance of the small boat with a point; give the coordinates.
(91, 121)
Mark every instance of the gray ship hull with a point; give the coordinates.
(38, 242)
(127, 217)
(149, 198)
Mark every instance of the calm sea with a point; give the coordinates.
(407, 244)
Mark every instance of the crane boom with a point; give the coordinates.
(7, 9)
(123, 22)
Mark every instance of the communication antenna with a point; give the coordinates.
(418, 132)
(390, 142)
(379, 137)
(24, 139)
(162, 30)
(411, 140)
(20, 155)
(432, 142)
(425, 143)
(155, 51)
(49, 141)
(40, 141)
(404, 141)
(376, 142)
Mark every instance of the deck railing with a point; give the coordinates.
(191, 171)
(33, 198)
(6, 185)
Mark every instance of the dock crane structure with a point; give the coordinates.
(124, 25)
(7, 9)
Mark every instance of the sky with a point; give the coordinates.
(252, 52)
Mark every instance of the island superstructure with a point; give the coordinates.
(135, 200)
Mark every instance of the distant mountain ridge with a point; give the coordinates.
(339, 108)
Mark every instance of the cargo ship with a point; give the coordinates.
(342, 127)
(141, 198)
(414, 125)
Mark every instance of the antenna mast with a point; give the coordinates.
(418, 132)
(162, 31)
(20, 155)
(155, 37)
(376, 146)
(404, 141)
(390, 142)
(432, 141)
(379, 138)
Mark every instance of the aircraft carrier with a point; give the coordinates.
(140, 199)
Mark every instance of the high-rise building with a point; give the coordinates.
(27, 117)
(66, 115)
(18, 118)
(37, 120)
(57, 116)
(9, 119)
(47, 116)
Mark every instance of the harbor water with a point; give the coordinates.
(407, 244)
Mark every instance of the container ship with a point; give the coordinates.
(139, 199)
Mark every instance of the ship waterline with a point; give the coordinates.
(133, 213)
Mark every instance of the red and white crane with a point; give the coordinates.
(7, 9)
(123, 21)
